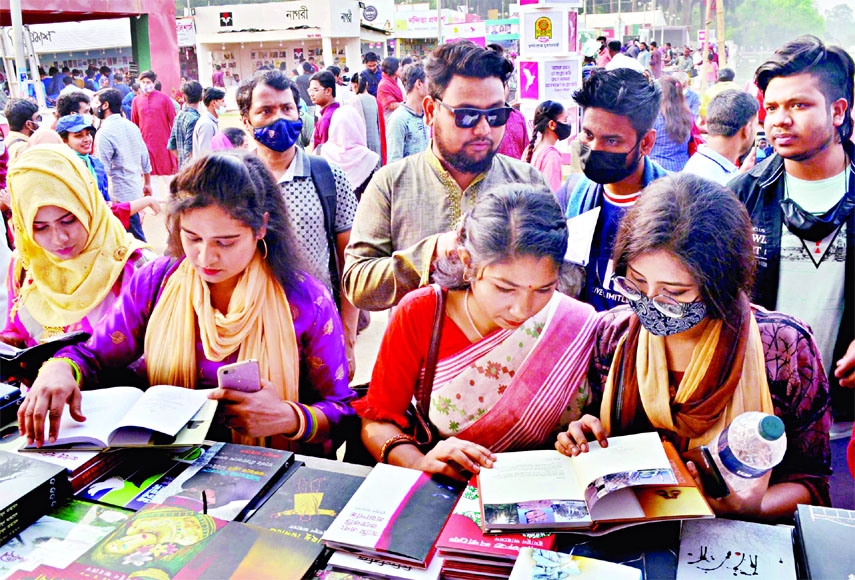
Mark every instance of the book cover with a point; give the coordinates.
(462, 535)
(397, 514)
(723, 548)
(43, 572)
(636, 479)
(380, 568)
(129, 417)
(244, 551)
(155, 542)
(132, 484)
(307, 503)
(533, 564)
(59, 538)
(29, 488)
(231, 477)
(825, 538)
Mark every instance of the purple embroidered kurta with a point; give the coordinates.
(797, 382)
(120, 338)
(22, 326)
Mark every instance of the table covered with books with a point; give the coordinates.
(229, 511)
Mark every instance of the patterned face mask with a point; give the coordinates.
(660, 324)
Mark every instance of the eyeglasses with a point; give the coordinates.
(664, 304)
(467, 118)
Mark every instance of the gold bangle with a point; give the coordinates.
(392, 442)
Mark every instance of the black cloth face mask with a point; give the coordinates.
(563, 130)
(607, 167)
(814, 228)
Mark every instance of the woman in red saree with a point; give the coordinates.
(513, 352)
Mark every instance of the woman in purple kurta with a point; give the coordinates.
(234, 291)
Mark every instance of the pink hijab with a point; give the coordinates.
(347, 147)
(219, 141)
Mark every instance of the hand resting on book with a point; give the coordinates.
(54, 387)
(575, 440)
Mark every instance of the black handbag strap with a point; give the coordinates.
(425, 387)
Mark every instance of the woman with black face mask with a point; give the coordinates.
(550, 125)
(689, 353)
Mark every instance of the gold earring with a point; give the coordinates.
(264, 255)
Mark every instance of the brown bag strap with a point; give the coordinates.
(425, 387)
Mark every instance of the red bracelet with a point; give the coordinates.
(392, 442)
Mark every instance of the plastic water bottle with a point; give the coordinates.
(750, 446)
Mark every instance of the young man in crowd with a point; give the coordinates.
(120, 147)
(731, 119)
(406, 132)
(318, 195)
(302, 82)
(181, 138)
(214, 103)
(619, 108)
(425, 194)
(153, 112)
(24, 119)
(802, 202)
(322, 93)
(372, 72)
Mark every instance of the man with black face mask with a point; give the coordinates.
(407, 216)
(619, 108)
(802, 202)
(319, 197)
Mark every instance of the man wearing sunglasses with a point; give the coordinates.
(619, 108)
(406, 217)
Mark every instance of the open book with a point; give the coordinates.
(128, 417)
(634, 479)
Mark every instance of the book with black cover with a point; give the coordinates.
(825, 540)
(396, 514)
(305, 505)
(29, 488)
(231, 476)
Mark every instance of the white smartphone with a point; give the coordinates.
(240, 376)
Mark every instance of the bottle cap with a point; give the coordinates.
(771, 428)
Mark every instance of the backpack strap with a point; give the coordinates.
(324, 180)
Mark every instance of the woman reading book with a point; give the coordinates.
(512, 352)
(689, 353)
(72, 256)
(233, 289)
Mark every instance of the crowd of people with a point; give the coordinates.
(710, 283)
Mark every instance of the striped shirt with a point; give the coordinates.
(181, 138)
(120, 147)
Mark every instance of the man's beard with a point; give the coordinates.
(460, 161)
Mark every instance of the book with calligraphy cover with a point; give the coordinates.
(396, 514)
(825, 540)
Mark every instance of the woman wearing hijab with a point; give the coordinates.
(347, 147)
(231, 290)
(689, 353)
(72, 257)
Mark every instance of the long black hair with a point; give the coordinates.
(240, 184)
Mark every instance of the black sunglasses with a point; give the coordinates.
(467, 118)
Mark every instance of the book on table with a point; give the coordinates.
(825, 542)
(535, 564)
(305, 505)
(637, 478)
(60, 537)
(464, 548)
(29, 488)
(380, 569)
(162, 415)
(724, 548)
(396, 514)
(231, 476)
(24, 363)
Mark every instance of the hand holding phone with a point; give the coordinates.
(714, 484)
(241, 376)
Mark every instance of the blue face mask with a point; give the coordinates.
(280, 135)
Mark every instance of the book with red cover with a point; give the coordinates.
(462, 539)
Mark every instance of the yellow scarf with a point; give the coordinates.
(258, 325)
(751, 392)
(60, 292)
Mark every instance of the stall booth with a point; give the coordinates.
(281, 35)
